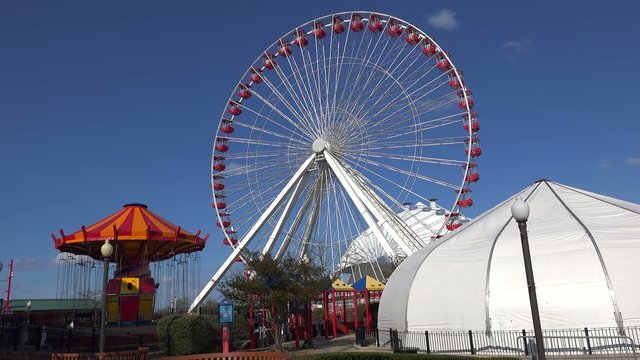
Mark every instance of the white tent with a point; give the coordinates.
(585, 250)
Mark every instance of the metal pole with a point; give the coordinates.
(103, 318)
(533, 299)
(6, 303)
(225, 338)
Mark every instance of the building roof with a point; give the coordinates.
(20, 305)
(368, 283)
(339, 285)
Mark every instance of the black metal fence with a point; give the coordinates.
(364, 338)
(595, 341)
(28, 337)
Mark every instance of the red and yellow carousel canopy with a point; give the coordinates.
(134, 232)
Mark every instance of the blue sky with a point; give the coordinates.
(107, 103)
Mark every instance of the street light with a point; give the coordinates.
(520, 212)
(28, 310)
(107, 251)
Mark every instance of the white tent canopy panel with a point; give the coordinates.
(585, 250)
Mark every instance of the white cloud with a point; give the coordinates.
(604, 164)
(517, 49)
(67, 258)
(443, 19)
(28, 263)
(633, 161)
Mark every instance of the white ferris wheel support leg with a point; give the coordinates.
(251, 233)
(313, 219)
(333, 164)
(386, 220)
(285, 214)
(294, 227)
(368, 203)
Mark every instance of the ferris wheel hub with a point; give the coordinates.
(319, 145)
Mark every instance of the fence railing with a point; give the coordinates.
(366, 338)
(594, 341)
(21, 336)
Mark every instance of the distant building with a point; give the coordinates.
(54, 312)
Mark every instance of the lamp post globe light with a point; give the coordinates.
(520, 212)
(28, 311)
(106, 250)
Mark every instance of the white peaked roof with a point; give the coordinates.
(585, 251)
(424, 220)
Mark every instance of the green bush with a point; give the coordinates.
(187, 334)
(383, 356)
(162, 330)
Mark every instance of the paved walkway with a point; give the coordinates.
(346, 343)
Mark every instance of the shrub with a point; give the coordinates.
(162, 330)
(187, 334)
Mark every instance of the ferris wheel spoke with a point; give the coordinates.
(284, 132)
(400, 80)
(409, 173)
(408, 190)
(362, 70)
(411, 111)
(277, 179)
(402, 130)
(302, 108)
(424, 90)
(303, 94)
(315, 92)
(283, 80)
(333, 76)
(409, 143)
(323, 70)
(340, 92)
(373, 64)
(430, 124)
(433, 226)
(306, 87)
(415, 158)
(294, 108)
(250, 141)
(296, 123)
(279, 153)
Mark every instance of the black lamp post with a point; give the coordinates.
(107, 251)
(520, 212)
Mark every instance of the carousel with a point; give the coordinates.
(140, 239)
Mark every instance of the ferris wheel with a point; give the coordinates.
(331, 131)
